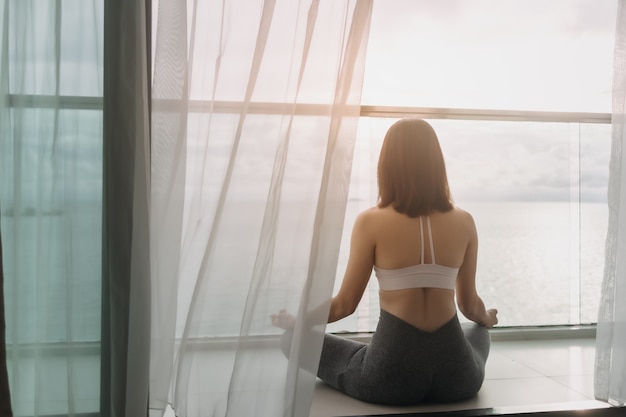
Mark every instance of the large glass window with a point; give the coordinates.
(51, 203)
(519, 93)
(537, 192)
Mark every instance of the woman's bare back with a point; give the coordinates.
(398, 245)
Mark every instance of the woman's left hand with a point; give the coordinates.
(283, 320)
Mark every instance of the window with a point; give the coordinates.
(519, 94)
(51, 203)
(537, 191)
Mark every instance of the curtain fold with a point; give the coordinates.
(610, 370)
(255, 110)
(126, 189)
(5, 392)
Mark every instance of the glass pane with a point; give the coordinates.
(595, 151)
(46, 56)
(236, 262)
(491, 54)
(51, 228)
(80, 65)
(282, 75)
(51, 197)
(519, 181)
(51, 204)
(31, 53)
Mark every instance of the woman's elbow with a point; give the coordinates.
(348, 307)
(340, 308)
(466, 305)
(462, 307)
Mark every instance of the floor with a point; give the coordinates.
(535, 375)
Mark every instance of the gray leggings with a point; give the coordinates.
(403, 365)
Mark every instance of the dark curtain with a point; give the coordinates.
(5, 394)
(125, 257)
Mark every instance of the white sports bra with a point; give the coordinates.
(421, 275)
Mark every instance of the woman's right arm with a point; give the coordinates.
(358, 270)
(468, 300)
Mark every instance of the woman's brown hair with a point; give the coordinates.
(411, 170)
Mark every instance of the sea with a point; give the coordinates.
(539, 263)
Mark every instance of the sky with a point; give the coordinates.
(552, 55)
(479, 54)
(533, 55)
(503, 161)
(540, 55)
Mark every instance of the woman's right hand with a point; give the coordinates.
(283, 320)
(491, 318)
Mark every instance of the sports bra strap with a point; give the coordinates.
(422, 275)
(422, 240)
(432, 247)
(430, 237)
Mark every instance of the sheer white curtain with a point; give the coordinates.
(50, 202)
(255, 109)
(610, 373)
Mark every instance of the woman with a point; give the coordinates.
(423, 249)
